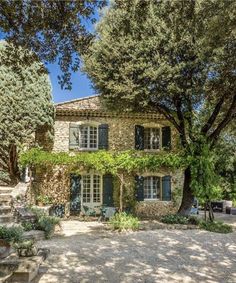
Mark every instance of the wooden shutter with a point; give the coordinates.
(139, 137)
(74, 136)
(75, 194)
(166, 138)
(108, 190)
(166, 188)
(139, 186)
(103, 136)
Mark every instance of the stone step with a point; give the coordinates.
(7, 218)
(5, 209)
(5, 199)
(5, 190)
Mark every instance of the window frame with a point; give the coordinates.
(78, 126)
(153, 199)
(160, 138)
(91, 188)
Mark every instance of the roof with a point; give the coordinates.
(85, 103)
(93, 106)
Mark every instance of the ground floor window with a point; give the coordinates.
(91, 189)
(152, 187)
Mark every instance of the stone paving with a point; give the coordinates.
(88, 252)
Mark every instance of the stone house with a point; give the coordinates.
(86, 125)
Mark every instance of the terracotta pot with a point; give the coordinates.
(5, 249)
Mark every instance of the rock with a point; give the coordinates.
(36, 235)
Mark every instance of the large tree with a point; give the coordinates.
(25, 105)
(54, 30)
(176, 57)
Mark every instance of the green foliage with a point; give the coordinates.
(177, 194)
(175, 59)
(47, 224)
(216, 226)
(28, 226)
(226, 164)
(54, 30)
(179, 219)
(44, 199)
(11, 234)
(25, 105)
(103, 161)
(123, 221)
(205, 181)
(24, 244)
(43, 222)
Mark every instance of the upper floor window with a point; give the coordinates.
(88, 136)
(152, 138)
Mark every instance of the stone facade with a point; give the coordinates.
(55, 182)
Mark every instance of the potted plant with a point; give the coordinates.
(8, 236)
(26, 248)
(43, 200)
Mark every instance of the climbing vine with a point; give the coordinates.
(103, 161)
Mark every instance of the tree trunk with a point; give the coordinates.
(188, 197)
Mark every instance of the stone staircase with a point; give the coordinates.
(6, 213)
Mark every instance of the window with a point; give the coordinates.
(84, 137)
(152, 187)
(152, 138)
(91, 188)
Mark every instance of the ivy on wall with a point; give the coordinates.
(104, 161)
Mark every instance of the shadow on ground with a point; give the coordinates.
(87, 252)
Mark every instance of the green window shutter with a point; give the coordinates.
(166, 138)
(166, 188)
(139, 186)
(103, 136)
(74, 136)
(108, 190)
(139, 137)
(75, 193)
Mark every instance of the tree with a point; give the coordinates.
(175, 57)
(25, 105)
(54, 30)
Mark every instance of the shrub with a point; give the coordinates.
(216, 226)
(178, 219)
(174, 219)
(11, 234)
(28, 226)
(123, 221)
(47, 224)
(42, 222)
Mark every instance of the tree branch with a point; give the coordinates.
(178, 105)
(229, 115)
(167, 113)
(213, 116)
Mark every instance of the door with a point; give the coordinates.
(91, 190)
(75, 194)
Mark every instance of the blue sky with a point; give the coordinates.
(81, 85)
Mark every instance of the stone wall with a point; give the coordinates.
(55, 182)
(121, 131)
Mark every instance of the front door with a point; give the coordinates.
(91, 190)
(75, 194)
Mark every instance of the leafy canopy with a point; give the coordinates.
(175, 57)
(25, 103)
(54, 30)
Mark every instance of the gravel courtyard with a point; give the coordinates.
(87, 252)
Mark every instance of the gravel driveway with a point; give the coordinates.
(87, 252)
